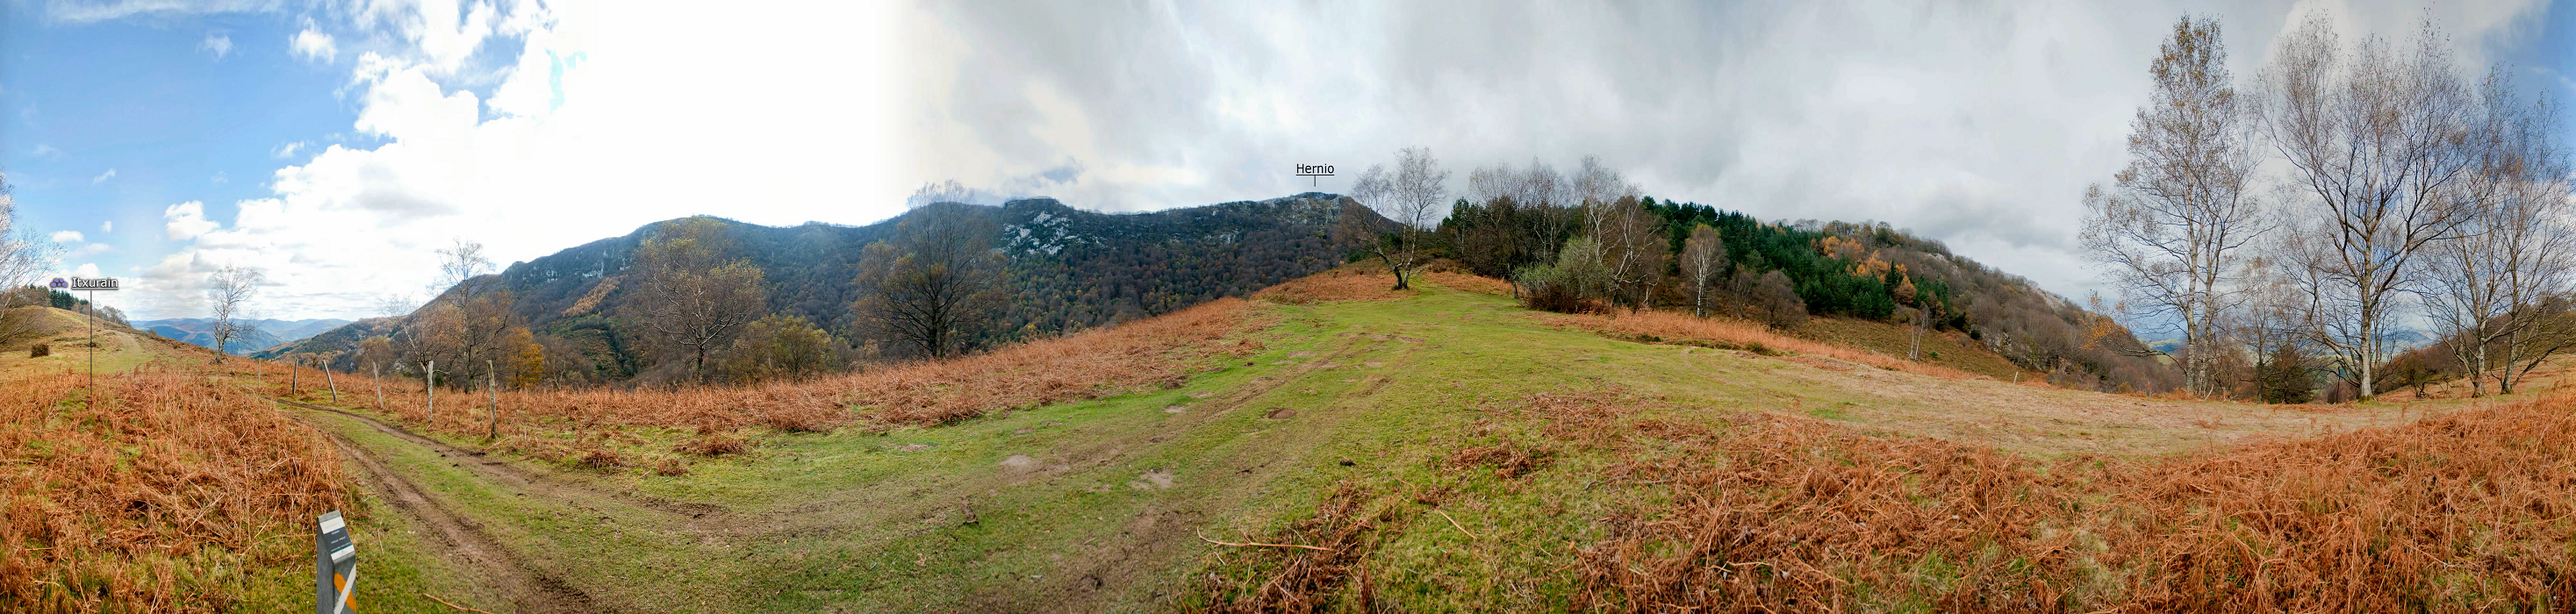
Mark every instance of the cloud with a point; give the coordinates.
(313, 45)
(288, 150)
(533, 127)
(1978, 124)
(551, 152)
(87, 269)
(67, 236)
(103, 177)
(107, 226)
(87, 11)
(221, 44)
(91, 248)
(45, 151)
(186, 221)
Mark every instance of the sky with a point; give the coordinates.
(337, 143)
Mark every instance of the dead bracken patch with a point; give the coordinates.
(1509, 460)
(1361, 281)
(1735, 334)
(1149, 354)
(1467, 282)
(153, 497)
(1767, 512)
(1306, 565)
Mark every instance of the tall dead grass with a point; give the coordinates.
(1739, 334)
(1358, 281)
(154, 498)
(1155, 353)
(1760, 512)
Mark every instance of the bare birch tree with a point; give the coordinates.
(23, 257)
(1415, 196)
(229, 293)
(2374, 137)
(1704, 267)
(2488, 292)
(2171, 228)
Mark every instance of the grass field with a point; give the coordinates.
(1332, 447)
(1455, 453)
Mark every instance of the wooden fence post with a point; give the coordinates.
(492, 388)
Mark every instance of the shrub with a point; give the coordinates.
(1778, 302)
(40, 351)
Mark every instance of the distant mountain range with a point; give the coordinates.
(270, 332)
(1069, 269)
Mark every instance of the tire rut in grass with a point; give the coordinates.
(703, 518)
(1161, 530)
(465, 546)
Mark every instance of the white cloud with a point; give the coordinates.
(1978, 124)
(103, 177)
(86, 11)
(91, 248)
(312, 44)
(87, 269)
(186, 221)
(107, 227)
(45, 151)
(800, 108)
(67, 236)
(221, 44)
(288, 150)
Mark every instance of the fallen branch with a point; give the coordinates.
(445, 603)
(1454, 522)
(1205, 539)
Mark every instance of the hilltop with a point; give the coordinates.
(66, 333)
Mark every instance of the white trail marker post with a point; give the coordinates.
(335, 565)
(90, 311)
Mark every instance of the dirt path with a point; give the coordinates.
(463, 545)
(698, 517)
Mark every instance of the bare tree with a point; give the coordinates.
(2170, 230)
(936, 285)
(1595, 187)
(694, 293)
(2374, 137)
(1415, 195)
(2489, 290)
(395, 304)
(1633, 247)
(1704, 266)
(936, 192)
(23, 256)
(1778, 302)
(230, 292)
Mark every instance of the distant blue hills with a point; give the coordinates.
(270, 333)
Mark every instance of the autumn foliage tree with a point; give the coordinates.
(692, 292)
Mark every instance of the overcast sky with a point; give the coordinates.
(337, 143)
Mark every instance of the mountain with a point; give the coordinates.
(1069, 269)
(270, 333)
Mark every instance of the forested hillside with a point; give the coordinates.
(1064, 269)
(1589, 242)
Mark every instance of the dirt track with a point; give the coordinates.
(460, 543)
